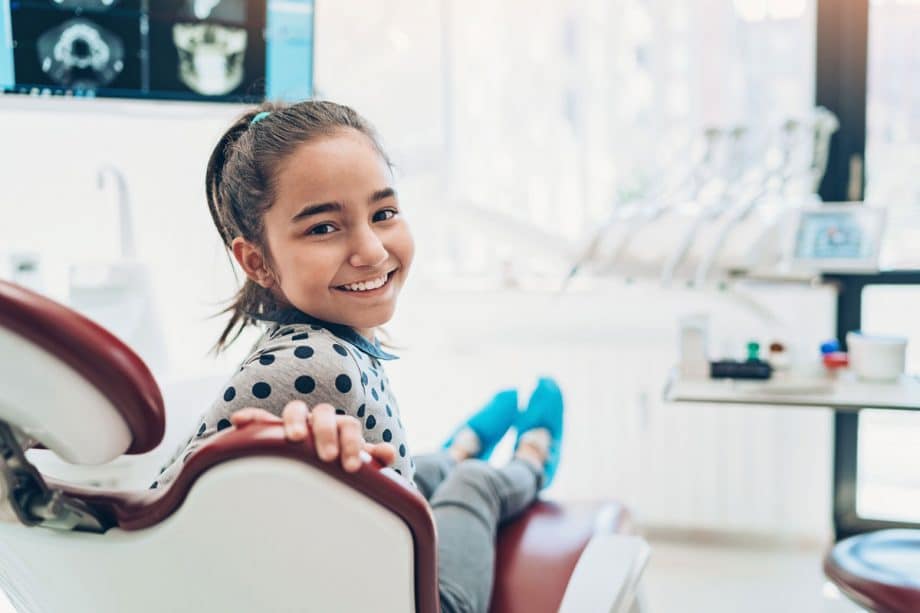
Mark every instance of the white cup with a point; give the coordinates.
(876, 358)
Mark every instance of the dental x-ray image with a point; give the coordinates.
(80, 54)
(90, 5)
(78, 50)
(211, 48)
(233, 11)
(210, 57)
(163, 49)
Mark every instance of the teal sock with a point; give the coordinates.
(491, 422)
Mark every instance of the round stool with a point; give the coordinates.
(879, 570)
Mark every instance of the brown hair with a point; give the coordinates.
(240, 184)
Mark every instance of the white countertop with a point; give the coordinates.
(845, 392)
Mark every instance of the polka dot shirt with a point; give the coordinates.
(303, 358)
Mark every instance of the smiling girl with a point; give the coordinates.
(303, 197)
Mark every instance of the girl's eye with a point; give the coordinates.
(325, 228)
(384, 214)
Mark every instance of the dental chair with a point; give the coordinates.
(252, 522)
(878, 570)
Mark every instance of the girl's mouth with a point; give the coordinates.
(369, 287)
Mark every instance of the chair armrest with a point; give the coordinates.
(607, 575)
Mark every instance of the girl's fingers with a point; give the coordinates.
(249, 415)
(295, 420)
(325, 432)
(384, 452)
(351, 441)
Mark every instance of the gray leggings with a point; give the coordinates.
(469, 500)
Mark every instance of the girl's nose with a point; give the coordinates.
(368, 249)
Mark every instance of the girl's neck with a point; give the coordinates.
(367, 333)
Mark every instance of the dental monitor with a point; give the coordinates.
(836, 237)
(239, 51)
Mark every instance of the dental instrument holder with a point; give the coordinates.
(731, 369)
(31, 500)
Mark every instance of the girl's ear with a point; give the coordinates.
(250, 259)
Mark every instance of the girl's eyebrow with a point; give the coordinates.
(335, 207)
(382, 194)
(316, 209)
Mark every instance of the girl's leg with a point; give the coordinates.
(474, 438)
(468, 506)
(431, 469)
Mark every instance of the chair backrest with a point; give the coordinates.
(71, 385)
(251, 523)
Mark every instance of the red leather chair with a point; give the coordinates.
(252, 522)
(878, 570)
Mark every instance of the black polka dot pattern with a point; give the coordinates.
(305, 384)
(261, 390)
(317, 367)
(343, 383)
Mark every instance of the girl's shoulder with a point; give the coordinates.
(302, 342)
(306, 356)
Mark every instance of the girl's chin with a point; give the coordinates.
(368, 318)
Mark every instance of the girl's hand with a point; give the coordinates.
(335, 436)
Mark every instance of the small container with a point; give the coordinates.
(876, 358)
(694, 339)
(778, 357)
(836, 360)
(753, 351)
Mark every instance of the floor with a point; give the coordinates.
(691, 578)
(694, 578)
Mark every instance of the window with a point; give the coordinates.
(561, 110)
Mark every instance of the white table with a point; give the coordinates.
(845, 393)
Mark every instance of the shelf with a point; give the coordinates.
(846, 393)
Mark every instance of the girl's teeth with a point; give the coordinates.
(368, 285)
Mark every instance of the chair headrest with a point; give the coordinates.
(71, 384)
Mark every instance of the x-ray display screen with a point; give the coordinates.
(213, 50)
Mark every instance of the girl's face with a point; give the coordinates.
(339, 247)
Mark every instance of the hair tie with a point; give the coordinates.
(259, 117)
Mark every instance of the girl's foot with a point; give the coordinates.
(533, 447)
(540, 428)
(480, 434)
